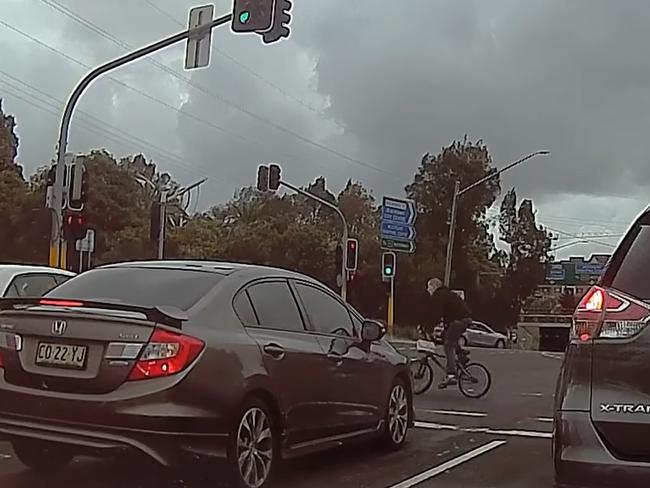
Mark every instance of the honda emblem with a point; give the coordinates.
(59, 327)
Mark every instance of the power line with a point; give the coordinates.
(103, 33)
(250, 70)
(130, 137)
(593, 241)
(99, 128)
(129, 87)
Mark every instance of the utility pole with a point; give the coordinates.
(163, 220)
(56, 200)
(454, 204)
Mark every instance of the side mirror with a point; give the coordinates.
(372, 331)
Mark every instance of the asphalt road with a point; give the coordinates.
(501, 440)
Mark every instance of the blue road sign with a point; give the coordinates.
(398, 211)
(397, 230)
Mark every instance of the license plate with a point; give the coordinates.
(61, 355)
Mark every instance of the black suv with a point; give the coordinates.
(602, 401)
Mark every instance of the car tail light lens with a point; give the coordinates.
(166, 353)
(9, 341)
(608, 314)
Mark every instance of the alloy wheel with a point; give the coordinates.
(398, 414)
(254, 447)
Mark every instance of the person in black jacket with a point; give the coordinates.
(451, 309)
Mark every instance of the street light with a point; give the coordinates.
(458, 192)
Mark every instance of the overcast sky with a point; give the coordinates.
(359, 90)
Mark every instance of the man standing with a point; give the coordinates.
(456, 316)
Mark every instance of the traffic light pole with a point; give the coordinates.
(391, 306)
(56, 202)
(163, 220)
(344, 275)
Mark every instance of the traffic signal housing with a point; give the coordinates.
(75, 226)
(253, 15)
(281, 21)
(77, 187)
(274, 177)
(388, 262)
(352, 257)
(263, 178)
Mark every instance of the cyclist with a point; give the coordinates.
(449, 307)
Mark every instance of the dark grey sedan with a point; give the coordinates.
(177, 359)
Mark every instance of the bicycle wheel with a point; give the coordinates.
(422, 375)
(474, 380)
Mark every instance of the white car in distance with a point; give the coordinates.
(25, 281)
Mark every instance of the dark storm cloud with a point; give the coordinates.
(382, 85)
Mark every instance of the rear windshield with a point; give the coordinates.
(633, 274)
(147, 287)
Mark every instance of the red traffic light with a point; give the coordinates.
(352, 258)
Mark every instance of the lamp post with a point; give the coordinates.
(454, 205)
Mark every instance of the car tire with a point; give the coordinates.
(500, 344)
(253, 450)
(41, 457)
(397, 416)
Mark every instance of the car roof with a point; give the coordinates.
(8, 270)
(219, 267)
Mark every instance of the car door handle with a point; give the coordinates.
(337, 358)
(275, 351)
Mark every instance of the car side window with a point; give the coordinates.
(632, 275)
(326, 314)
(61, 278)
(32, 285)
(275, 306)
(244, 309)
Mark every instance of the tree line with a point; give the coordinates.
(291, 231)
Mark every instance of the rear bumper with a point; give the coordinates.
(581, 458)
(166, 448)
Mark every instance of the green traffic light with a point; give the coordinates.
(244, 17)
(388, 271)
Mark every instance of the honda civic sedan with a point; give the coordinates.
(179, 359)
(602, 410)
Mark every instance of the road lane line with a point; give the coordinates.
(446, 466)
(544, 419)
(485, 430)
(458, 413)
(533, 394)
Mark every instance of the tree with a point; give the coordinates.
(530, 247)
(14, 192)
(432, 190)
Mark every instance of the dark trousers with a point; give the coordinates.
(452, 335)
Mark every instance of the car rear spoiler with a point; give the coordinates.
(171, 316)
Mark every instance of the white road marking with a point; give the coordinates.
(485, 430)
(551, 355)
(532, 394)
(458, 413)
(544, 419)
(452, 463)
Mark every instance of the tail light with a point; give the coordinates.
(9, 341)
(608, 314)
(166, 353)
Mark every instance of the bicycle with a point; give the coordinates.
(469, 374)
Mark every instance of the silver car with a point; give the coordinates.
(477, 334)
